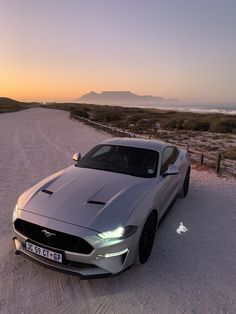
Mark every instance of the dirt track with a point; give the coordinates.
(190, 273)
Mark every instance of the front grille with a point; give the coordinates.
(60, 240)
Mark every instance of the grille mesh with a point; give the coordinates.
(60, 240)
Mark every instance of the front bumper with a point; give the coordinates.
(107, 258)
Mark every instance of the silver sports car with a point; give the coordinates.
(100, 216)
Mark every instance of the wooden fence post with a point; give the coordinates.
(201, 159)
(218, 159)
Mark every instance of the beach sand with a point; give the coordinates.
(190, 273)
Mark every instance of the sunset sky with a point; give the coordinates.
(60, 49)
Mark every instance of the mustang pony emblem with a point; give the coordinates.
(47, 233)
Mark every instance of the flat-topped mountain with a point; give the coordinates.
(118, 97)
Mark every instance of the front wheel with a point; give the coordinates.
(147, 238)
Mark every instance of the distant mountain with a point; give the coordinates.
(118, 97)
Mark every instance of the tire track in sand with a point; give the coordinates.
(103, 301)
(20, 137)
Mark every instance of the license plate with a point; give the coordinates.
(54, 256)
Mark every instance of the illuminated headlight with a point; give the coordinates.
(14, 215)
(118, 233)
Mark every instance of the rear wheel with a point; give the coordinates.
(185, 186)
(147, 238)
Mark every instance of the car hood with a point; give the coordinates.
(94, 199)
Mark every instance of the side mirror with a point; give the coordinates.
(76, 157)
(172, 170)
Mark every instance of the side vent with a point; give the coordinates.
(47, 192)
(96, 202)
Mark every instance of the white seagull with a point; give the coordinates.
(181, 229)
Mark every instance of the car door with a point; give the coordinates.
(167, 185)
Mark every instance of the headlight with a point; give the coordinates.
(14, 216)
(118, 233)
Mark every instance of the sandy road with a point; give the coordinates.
(190, 273)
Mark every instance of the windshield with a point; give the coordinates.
(134, 161)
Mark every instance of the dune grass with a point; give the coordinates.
(138, 120)
(148, 120)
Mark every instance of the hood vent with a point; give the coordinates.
(47, 192)
(96, 202)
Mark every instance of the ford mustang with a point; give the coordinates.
(100, 215)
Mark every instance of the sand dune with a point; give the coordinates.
(190, 272)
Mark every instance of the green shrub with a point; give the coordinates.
(230, 153)
(224, 126)
(79, 112)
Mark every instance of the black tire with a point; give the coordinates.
(147, 238)
(185, 186)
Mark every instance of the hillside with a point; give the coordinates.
(8, 105)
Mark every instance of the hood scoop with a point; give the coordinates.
(47, 192)
(96, 202)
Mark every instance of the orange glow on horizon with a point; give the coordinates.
(161, 48)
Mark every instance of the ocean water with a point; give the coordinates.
(192, 107)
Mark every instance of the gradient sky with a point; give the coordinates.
(61, 49)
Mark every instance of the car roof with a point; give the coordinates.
(137, 142)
